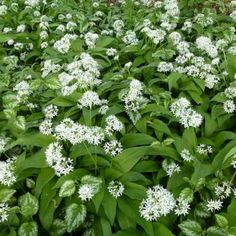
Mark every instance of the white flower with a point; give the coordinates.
(159, 202)
(116, 188)
(170, 168)
(211, 81)
(46, 127)
(186, 155)
(20, 28)
(50, 111)
(90, 99)
(63, 45)
(156, 35)
(204, 149)
(113, 148)
(111, 52)
(103, 109)
(4, 209)
(113, 124)
(3, 10)
(182, 207)
(187, 116)
(86, 192)
(95, 135)
(230, 92)
(175, 37)
(55, 159)
(23, 90)
(81, 73)
(223, 190)
(165, 66)
(90, 39)
(233, 15)
(32, 3)
(130, 38)
(205, 44)
(7, 175)
(214, 205)
(229, 106)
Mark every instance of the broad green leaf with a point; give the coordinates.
(126, 160)
(191, 228)
(221, 221)
(58, 228)
(6, 194)
(109, 205)
(74, 216)
(28, 204)
(28, 229)
(67, 188)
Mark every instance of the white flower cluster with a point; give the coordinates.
(63, 45)
(233, 15)
(48, 67)
(165, 67)
(186, 155)
(81, 73)
(89, 187)
(116, 188)
(62, 165)
(50, 112)
(182, 110)
(223, 190)
(118, 26)
(156, 35)
(113, 148)
(159, 202)
(111, 52)
(23, 90)
(86, 192)
(204, 149)
(32, 3)
(7, 175)
(4, 209)
(182, 207)
(132, 97)
(76, 133)
(203, 20)
(3, 10)
(214, 205)
(90, 39)
(170, 168)
(130, 38)
(90, 99)
(205, 44)
(113, 124)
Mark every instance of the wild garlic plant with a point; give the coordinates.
(117, 117)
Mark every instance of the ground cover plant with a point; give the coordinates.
(117, 118)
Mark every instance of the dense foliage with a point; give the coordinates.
(117, 117)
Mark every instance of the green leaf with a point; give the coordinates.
(67, 189)
(231, 65)
(45, 175)
(131, 140)
(191, 228)
(161, 229)
(186, 195)
(126, 160)
(49, 202)
(221, 221)
(109, 205)
(58, 227)
(75, 216)
(28, 204)
(28, 229)
(6, 194)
